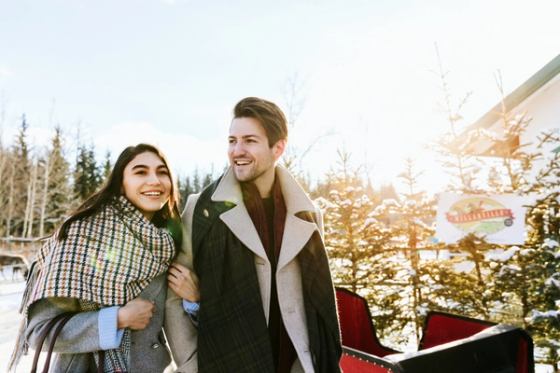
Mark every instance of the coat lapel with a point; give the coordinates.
(237, 219)
(296, 234)
(297, 231)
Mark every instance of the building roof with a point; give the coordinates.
(484, 147)
(533, 84)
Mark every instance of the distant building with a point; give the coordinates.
(539, 97)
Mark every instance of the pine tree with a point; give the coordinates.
(19, 182)
(87, 176)
(413, 230)
(455, 156)
(107, 166)
(207, 180)
(196, 183)
(185, 189)
(357, 243)
(530, 277)
(58, 196)
(542, 277)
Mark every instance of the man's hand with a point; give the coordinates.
(183, 282)
(135, 315)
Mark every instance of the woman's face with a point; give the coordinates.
(146, 183)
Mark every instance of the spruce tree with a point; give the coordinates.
(19, 181)
(87, 176)
(59, 189)
(107, 166)
(357, 243)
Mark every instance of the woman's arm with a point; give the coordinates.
(87, 331)
(79, 335)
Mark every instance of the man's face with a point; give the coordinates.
(249, 154)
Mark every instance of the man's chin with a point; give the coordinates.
(242, 177)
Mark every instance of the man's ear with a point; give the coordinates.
(279, 148)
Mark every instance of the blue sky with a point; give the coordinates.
(169, 72)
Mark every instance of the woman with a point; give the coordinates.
(108, 262)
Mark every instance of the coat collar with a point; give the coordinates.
(297, 231)
(229, 190)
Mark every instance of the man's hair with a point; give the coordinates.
(267, 113)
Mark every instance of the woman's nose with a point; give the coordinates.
(153, 179)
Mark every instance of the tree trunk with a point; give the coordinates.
(45, 198)
(30, 208)
(11, 201)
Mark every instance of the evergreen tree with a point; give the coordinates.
(529, 277)
(185, 189)
(87, 176)
(192, 184)
(19, 182)
(412, 231)
(542, 277)
(357, 243)
(107, 166)
(59, 190)
(207, 180)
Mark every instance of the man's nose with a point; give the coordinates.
(238, 149)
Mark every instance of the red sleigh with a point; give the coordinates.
(449, 344)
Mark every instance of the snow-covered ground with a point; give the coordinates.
(10, 297)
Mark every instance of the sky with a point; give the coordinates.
(115, 73)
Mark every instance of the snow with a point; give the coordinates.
(369, 221)
(390, 202)
(509, 268)
(552, 282)
(550, 243)
(10, 297)
(499, 255)
(324, 203)
(536, 315)
(463, 267)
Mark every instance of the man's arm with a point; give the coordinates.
(179, 328)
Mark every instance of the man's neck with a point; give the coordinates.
(265, 182)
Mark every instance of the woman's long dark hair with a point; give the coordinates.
(168, 215)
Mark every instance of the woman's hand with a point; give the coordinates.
(183, 282)
(135, 315)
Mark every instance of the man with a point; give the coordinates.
(267, 302)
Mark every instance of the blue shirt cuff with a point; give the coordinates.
(109, 336)
(191, 307)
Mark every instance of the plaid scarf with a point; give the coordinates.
(107, 259)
